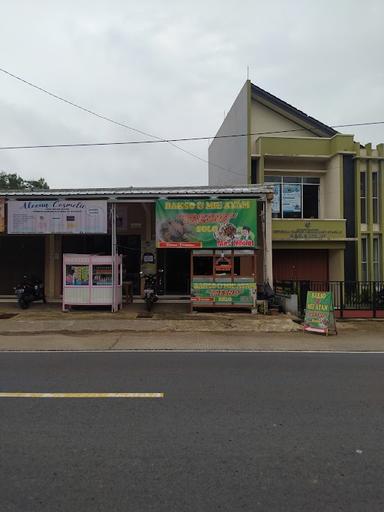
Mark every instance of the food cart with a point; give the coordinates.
(88, 280)
(223, 278)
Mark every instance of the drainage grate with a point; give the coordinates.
(144, 315)
(5, 316)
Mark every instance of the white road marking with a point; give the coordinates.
(181, 351)
(81, 395)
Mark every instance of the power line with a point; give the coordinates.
(154, 138)
(168, 141)
(105, 118)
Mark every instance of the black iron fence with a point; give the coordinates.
(361, 296)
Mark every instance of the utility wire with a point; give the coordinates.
(157, 139)
(182, 139)
(106, 118)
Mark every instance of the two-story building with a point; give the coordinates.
(328, 210)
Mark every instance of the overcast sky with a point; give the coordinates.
(172, 68)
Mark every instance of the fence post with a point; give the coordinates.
(341, 299)
(374, 299)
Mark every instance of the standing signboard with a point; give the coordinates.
(2, 215)
(61, 217)
(202, 224)
(319, 313)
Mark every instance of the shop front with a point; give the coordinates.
(308, 249)
(198, 237)
(217, 239)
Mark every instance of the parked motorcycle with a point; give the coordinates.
(380, 298)
(28, 291)
(150, 288)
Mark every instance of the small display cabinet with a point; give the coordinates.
(87, 281)
(223, 278)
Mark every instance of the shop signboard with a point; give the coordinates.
(2, 215)
(230, 293)
(194, 224)
(308, 229)
(319, 313)
(60, 216)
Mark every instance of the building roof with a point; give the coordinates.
(139, 193)
(281, 105)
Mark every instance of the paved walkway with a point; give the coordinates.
(44, 320)
(48, 328)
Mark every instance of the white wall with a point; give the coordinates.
(228, 157)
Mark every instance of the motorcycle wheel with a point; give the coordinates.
(149, 303)
(24, 304)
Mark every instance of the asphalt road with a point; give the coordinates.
(254, 431)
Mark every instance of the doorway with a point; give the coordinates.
(177, 271)
(20, 255)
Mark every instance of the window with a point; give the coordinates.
(375, 196)
(364, 259)
(77, 275)
(363, 197)
(202, 266)
(295, 197)
(376, 259)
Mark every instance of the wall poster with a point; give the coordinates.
(77, 275)
(292, 198)
(276, 199)
(148, 256)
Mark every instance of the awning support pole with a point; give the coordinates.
(113, 250)
(268, 242)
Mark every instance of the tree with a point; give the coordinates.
(12, 181)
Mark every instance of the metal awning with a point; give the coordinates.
(139, 193)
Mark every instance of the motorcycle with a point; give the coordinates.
(28, 291)
(150, 288)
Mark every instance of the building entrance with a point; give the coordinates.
(300, 264)
(177, 271)
(20, 255)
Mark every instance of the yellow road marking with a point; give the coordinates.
(81, 395)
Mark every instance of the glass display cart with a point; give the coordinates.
(223, 278)
(88, 281)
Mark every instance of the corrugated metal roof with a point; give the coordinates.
(142, 192)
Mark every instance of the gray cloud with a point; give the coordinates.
(172, 68)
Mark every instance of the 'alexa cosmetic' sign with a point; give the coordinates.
(206, 223)
(57, 217)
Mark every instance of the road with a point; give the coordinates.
(234, 432)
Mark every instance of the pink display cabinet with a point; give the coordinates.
(87, 281)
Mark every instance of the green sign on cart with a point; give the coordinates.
(319, 313)
(239, 294)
